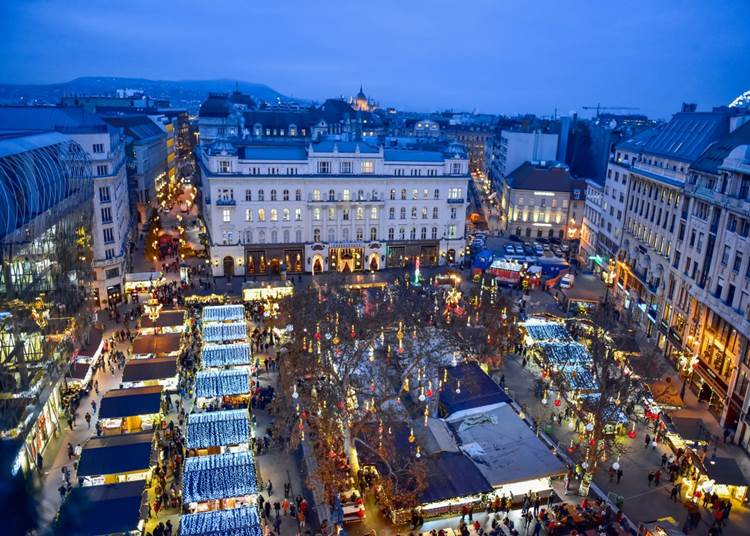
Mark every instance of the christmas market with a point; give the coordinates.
(130, 410)
(253, 291)
(172, 321)
(231, 386)
(219, 481)
(153, 371)
(162, 345)
(83, 363)
(106, 509)
(213, 432)
(223, 313)
(241, 521)
(120, 458)
(225, 355)
(225, 332)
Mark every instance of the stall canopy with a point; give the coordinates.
(241, 521)
(726, 471)
(214, 383)
(690, 429)
(220, 476)
(545, 330)
(217, 428)
(116, 454)
(451, 475)
(158, 368)
(477, 389)
(223, 355)
(142, 277)
(166, 319)
(223, 313)
(120, 403)
(163, 344)
(232, 331)
(504, 449)
(109, 509)
(81, 365)
(566, 354)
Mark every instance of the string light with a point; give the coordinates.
(223, 355)
(219, 476)
(217, 428)
(215, 383)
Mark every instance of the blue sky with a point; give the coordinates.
(498, 56)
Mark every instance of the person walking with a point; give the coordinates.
(270, 488)
(88, 419)
(651, 476)
(647, 441)
(71, 452)
(657, 477)
(674, 494)
(619, 475)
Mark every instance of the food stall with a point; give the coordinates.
(219, 481)
(271, 291)
(83, 361)
(166, 322)
(155, 371)
(214, 432)
(130, 410)
(225, 355)
(222, 388)
(141, 284)
(225, 332)
(506, 272)
(223, 313)
(543, 330)
(163, 345)
(107, 509)
(120, 458)
(724, 477)
(686, 432)
(243, 521)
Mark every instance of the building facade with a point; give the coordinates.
(331, 206)
(509, 149)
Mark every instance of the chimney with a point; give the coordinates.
(689, 107)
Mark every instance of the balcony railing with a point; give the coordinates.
(456, 200)
(225, 202)
(367, 198)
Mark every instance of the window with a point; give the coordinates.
(373, 213)
(109, 253)
(737, 261)
(331, 234)
(316, 195)
(413, 233)
(106, 215)
(324, 167)
(273, 195)
(434, 233)
(346, 196)
(393, 194)
(104, 194)
(226, 215)
(360, 233)
(286, 236)
(401, 233)
(331, 213)
(725, 255)
(452, 230)
(316, 214)
(360, 213)
(285, 214)
(261, 237)
(454, 193)
(274, 236)
(109, 235)
(331, 195)
(345, 234)
(390, 233)
(225, 166)
(345, 214)
(391, 213)
(403, 194)
(101, 170)
(453, 213)
(436, 194)
(423, 233)
(414, 213)
(261, 214)
(248, 195)
(297, 215)
(298, 195)
(98, 148)
(346, 167)
(403, 213)
(316, 235)
(373, 233)
(261, 195)
(285, 195)
(249, 214)
(360, 195)
(435, 212)
(414, 193)
(368, 167)
(456, 168)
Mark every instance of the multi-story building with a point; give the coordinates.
(331, 206)
(105, 147)
(509, 149)
(539, 200)
(713, 262)
(45, 192)
(592, 222)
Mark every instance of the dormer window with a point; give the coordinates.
(292, 130)
(258, 130)
(324, 167)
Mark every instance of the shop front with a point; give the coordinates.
(274, 260)
(405, 254)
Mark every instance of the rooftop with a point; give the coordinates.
(688, 134)
(713, 157)
(30, 119)
(530, 176)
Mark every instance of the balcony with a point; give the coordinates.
(368, 198)
(738, 320)
(733, 203)
(225, 202)
(455, 200)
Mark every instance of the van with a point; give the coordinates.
(567, 281)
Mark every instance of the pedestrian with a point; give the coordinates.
(651, 476)
(61, 490)
(301, 519)
(657, 477)
(96, 386)
(270, 488)
(674, 494)
(537, 527)
(664, 460)
(277, 524)
(647, 441)
(88, 419)
(71, 453)
(619, 475)
(612, 473)
(39, 462)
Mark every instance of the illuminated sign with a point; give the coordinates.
(545, 194)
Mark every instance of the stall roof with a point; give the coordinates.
(217, 428)
(477, 388)
(504, 449)
(142, 277)
(116, 454)
(107, 509)
(213, 383)
(690, 429)
(241, 521)
(223, 313)
(95, 339)
(220, 476)
(129, 402)
(726, 471)
(157, 368)
(79, 369)
(164, 343)
(222, 355)
(451, 475)
(166, 319)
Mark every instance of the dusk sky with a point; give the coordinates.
(490, 55)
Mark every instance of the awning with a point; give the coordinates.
(94, 344)
(158, 368)
(222, 355)
(166, 319)
(452, 475)
(241, 521)
(214, 383)
(166, 343)
(108, 509)
(221, 476)
(116, 454)
(218, 429)
(120, 403)
(690, 429)
(726, 471)
(142, 277)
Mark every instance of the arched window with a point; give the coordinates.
(285, 213)
(248, 214)
(434, 233)
(401, 233)
(424, 213)
(285, 195)
(273, 195)
(413, 233)
(261, 237)
(261, 195)
(274, 214)
(360, 233)
(390, 233)
(331, 195)
(403, 194)
(261, 214)
(286, 236)
(346, 234)
(423, 233)
(298, 235)
(331, 234)
(414, 212)
(249, 237)
(316, 195)
(360, 195)
(292, 129)
(393, 194)
(373, 233)
(274, 236)
(391, 213)
(360, 213)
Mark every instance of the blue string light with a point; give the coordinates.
(218, 428)
(222, 355)
(235, 331)
(223, 313)
(241, 521)
(215, 383)
(220, 476)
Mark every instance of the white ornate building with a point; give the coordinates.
(325, 206)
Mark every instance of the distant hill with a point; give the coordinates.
(179, 92)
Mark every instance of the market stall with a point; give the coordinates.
(259, 291)
(225, 332)
(108, 509)
(223, 313)
(225, 355)
(166, 344)
(111, 459)
(506, 272)
(243, 521)
(142, 283)
(467, 386)
(166, 322)
(686, 433)
(83, 361)
(724, 477)
(224, 388)
(130, 410)
(219, 482)
(213, 432)
(156, 371)
(542, 330)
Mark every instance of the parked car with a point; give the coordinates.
(546, 246)
(509, 249)
(528, 250)
(514, 238)
(557, 251)
(519, 249)
(565, 248)
(538, 249)
(567, 281)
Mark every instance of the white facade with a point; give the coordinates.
(592, 218)
(332, 206)
(614, 197)
(512, 149)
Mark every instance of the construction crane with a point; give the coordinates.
(600, 107)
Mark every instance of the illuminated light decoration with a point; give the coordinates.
(422, 397)
(544, 398)
(223, 355)
(558, 401)
(219, 476)
(217, 429)
(429, 389)
(419, 452)
(631, 433)
(592, 442)
(545, 194)
(372, 387)
(458, 387)
(295, 394)
(406, 385)
(571, 424)
(215, 383)
(585, 464)
(521, 415)
(590, 427)
(412, 439)
(153, 308)
(243, 521)
(223, 313)
(234, 331)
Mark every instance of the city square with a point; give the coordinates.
(230, 311)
